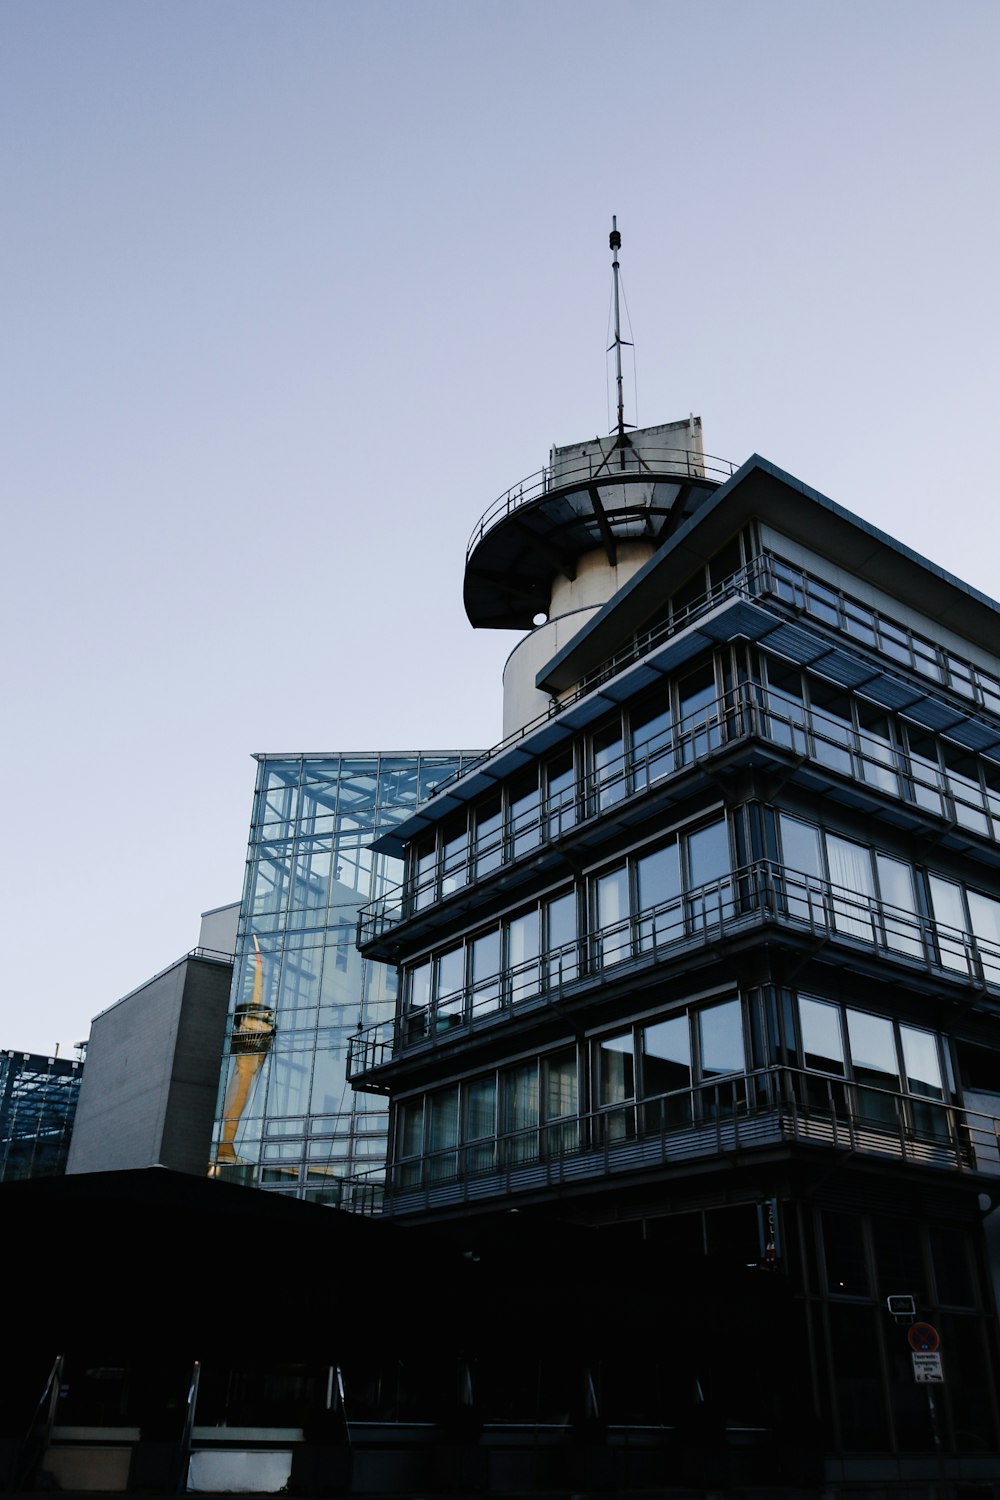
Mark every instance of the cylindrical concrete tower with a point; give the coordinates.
(556, 547)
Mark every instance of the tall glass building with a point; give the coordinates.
(287, 1119)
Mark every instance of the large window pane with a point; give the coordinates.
(721, 1032)
(525, 806)
(666, 1072)
(561, 795)
(522, 957)
(561, 945)
(833, 727)
(984, 913)
(822, 1042)
(873, 1060)
(786, 708)
(489, 838)
(878, 759)
(443, 1134)
(949, 915)
(481, 1123)
(486, 972)
(562, 1103)
(614, 941)
(521, 1112)
(698, 725)
(658, 888)
(615, 1060)
(854, 888)
(707, 858)
(900, 922)
(609, 767)
(802, 857)
(652, 753)
(450, 987)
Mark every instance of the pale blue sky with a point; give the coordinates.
(292, 290)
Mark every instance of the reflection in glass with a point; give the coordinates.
(822, 1043)
(615, 1059)
(658, 889)
(522, 957)
(481, 1124)
(561, 797)
(873, 1061)
(698, 725)
(707, 863)
(443, 1134)
(489, 838)
(652, 754)
(486, 972)
(614, 941)
(450, 988)
(900, 921)
(252, 1038)
(525, 832)
(949, 913)
(562, 1103)
(666, 1071)
(521, 1112)
(609, 767)
(561, 940)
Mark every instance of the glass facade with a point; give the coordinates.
(287, 1119)
(38, 1099)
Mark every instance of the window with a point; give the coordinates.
(652, 887)
(614, 1059)
(524, 804)
(561, 941)
(522, 967)
(609, 767)
(489, 837)
(561, 795)
(651, 743)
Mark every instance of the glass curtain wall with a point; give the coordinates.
(287, 1119)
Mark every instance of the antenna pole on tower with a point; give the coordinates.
(616, 244)
(622, 440)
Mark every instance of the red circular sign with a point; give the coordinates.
(924, 1338)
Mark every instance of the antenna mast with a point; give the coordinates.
(615, 241)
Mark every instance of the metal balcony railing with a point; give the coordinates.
(768, 576)
(630, 464)
(760, 892)
(750, 712)
(741, 1112)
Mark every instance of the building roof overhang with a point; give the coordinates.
(763, 490)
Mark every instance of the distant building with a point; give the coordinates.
(287, 1119)
(152, 1064)
(38, 1101)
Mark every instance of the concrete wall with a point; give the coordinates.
(219, 927)
(149, 1087)
(573, 603)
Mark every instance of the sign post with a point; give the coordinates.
(925, 1342)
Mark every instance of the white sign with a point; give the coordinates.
(927, 1369)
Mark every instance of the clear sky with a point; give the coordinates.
(291, 291)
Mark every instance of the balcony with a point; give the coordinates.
(859, 769)
(802, 596)
(693, 1131)
(804, 909)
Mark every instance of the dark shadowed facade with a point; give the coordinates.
(706, 954)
